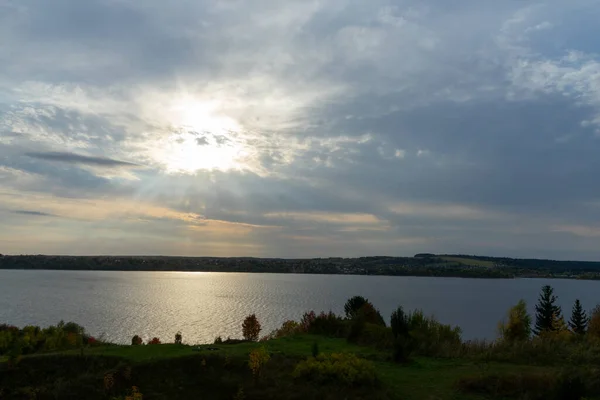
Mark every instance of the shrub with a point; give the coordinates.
(136, 340)
(371, 314)
(566, 385)
(258, 358)
(593, 329)
(154, 340)
(32, 339)
(288, 328)
(431, 338)
(518, 325)
(338, 367)
(251, 328)
(327, 324)
(178, 338)
(306, 321)
(356, 328)
(218, 340)
(353, 305)
(378, 336)
(521, 385)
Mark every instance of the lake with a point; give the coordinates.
(203, 305)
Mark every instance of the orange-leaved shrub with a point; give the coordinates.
(154, 340)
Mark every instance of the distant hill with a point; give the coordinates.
(423, 264)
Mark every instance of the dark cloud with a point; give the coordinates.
(33, 213)
(73, 158)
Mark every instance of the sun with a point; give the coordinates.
(205, 139)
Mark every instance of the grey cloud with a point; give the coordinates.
(33, 213)
(202, 141)
(73, 158)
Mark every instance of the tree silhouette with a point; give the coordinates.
(579, 319)
(546, 311)
(251, 328)
(353, 305)
(399, 323)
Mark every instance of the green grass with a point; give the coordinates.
(297, 346)
(421, 378)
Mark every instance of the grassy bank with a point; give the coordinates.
(172, 371)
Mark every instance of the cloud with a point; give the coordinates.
(73, 158)
(359, 129)
(33, 213)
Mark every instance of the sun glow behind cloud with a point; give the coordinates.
(203, 139)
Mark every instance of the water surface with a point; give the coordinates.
(203, 305)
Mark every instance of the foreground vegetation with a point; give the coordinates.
(320, 356)
(421, 265)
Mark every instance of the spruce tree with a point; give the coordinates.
(579, 319)
(546, 311)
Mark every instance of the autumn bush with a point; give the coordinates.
(154, 340)
(517, 325)
(345, 368)
(258, 358)
(251, 328)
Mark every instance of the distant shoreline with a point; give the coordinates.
(422, 265)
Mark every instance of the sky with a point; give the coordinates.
(301, 128)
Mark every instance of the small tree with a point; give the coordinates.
(251, 328)
(518, 325)
(353, 305)
(399, 323)
(593, 328)
(546, 311)
(579, 319)
(136, 340)
(178, 338)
